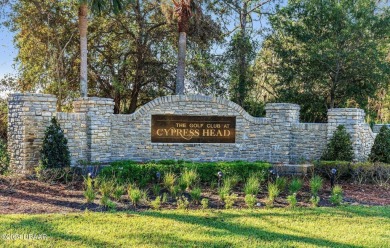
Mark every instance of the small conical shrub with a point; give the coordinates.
(339, 147)
(380, 151)
(55, 152)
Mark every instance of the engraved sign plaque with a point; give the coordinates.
(193, 129)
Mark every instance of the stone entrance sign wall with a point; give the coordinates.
(95, 134)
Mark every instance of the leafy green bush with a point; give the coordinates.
(4, 158)
(337, 195)
(380, 151)
(344, 169)
(252, 186)
(55, 152)
(339, 146)
(360, 172)
(130, 171)
(295, 185)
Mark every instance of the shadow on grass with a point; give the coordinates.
(255, 233)
(55, 237)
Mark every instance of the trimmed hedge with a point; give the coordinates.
(142, 174)
(362, 172)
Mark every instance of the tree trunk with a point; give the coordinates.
(181, 63)
(83, 28)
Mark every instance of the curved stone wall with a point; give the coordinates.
(95, 134)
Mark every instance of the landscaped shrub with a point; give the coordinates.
(273, 192)
(205, 203)
(380, 151)
(292, 200)
(250, 200)
(55, 152)
(195, 195)
(252, 186)
(337, 195)
(360, 172)
(189, 178)
(134, 194)
(119, 190)
(315, 186)
(129, 171)
(230, 200)
(295, 185)
(339, 146)
(156, 203)
(281, 183)
(89, 192)
(169, 180)
(4, 158)
(344, 169)
(182, 203)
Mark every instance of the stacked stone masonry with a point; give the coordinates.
(95, 134)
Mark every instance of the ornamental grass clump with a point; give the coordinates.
(169, 180)
(156, 203)
(295, 185)
(119, 190)
(89, 192)
(189, 178)
(135, 195)
(182, 203)
(281, 183)
(337, 195)
(205, 203)
(315, 186)
(196, 195)
(250, 201)
(252, 186)
(230, 200)
(273, 192)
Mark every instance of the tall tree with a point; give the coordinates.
(241, 49)
(97, 6)
(330, 54)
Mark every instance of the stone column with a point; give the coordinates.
(28, 116)
(283, 116)
(99, 112)
(353, 121)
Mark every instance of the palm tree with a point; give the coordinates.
(183, 12)
(97, 6)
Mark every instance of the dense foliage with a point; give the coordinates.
(339, 146)
(4, 158)
(55, 152)
(380, 151)
(130, 171)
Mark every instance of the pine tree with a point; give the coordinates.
(340, 146)
(55, 152)
(380, 151)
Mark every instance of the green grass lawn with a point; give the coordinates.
(320, 227)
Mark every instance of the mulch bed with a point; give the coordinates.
(32, 196)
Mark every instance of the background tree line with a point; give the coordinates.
(319, 54)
